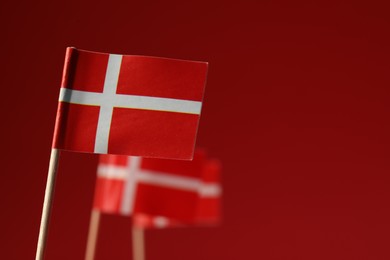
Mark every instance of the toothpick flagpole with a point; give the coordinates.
(138, 243)
(92, 234)
(47, 204)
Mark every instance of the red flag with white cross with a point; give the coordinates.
(208, 211)
(125, 105)
(129, 105)
(158, 191)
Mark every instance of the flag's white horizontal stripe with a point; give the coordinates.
(210, 190)
(205, 190)
(159, 104)
(130, 101)
(169, 180)
(80, 97)
(109, 172)
(160, 222)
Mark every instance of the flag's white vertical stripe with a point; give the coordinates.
(103, 129)
(128, 198)
(107, 106)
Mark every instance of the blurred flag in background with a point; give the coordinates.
(160, 193)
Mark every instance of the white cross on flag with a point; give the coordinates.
(164, 191)
(130, 105)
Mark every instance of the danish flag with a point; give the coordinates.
(208, 210)
(159, 193)
(129, 105)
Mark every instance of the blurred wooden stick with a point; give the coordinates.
(138, 243)
(92, 234)
(47, 204)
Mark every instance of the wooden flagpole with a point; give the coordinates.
(138, 243)
(92, 234)
(47, 203)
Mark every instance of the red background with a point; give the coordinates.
(296, 107)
